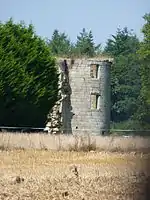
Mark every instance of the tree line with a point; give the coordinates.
(29, 78)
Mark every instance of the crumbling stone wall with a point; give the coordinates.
(56, 121)
(84, 105)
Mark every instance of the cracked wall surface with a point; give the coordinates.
(84, 104)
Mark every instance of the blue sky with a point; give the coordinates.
(70, 16)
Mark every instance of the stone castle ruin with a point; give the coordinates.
(84, 103)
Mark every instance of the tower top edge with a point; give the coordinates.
(93, 59)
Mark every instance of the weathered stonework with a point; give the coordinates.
(84, 106)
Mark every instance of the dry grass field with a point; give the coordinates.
(44, 167)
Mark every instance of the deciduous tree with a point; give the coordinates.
(125, 74)
(143, 113)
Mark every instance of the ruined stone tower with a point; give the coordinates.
(84, 105)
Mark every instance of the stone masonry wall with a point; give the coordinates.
(92, 120)
(86, 107)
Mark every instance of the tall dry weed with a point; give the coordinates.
(82, 142)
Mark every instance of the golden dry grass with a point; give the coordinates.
(73, 142)
(35, 173)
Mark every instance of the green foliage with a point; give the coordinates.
(143, 113)
(144, 54)
(28, 77)
(133, 127)
(60, 45)
(85, 44)
(125, 76)
(123, 43)
(126, 125)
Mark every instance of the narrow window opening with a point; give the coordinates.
(95, 101)
(94, 71)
